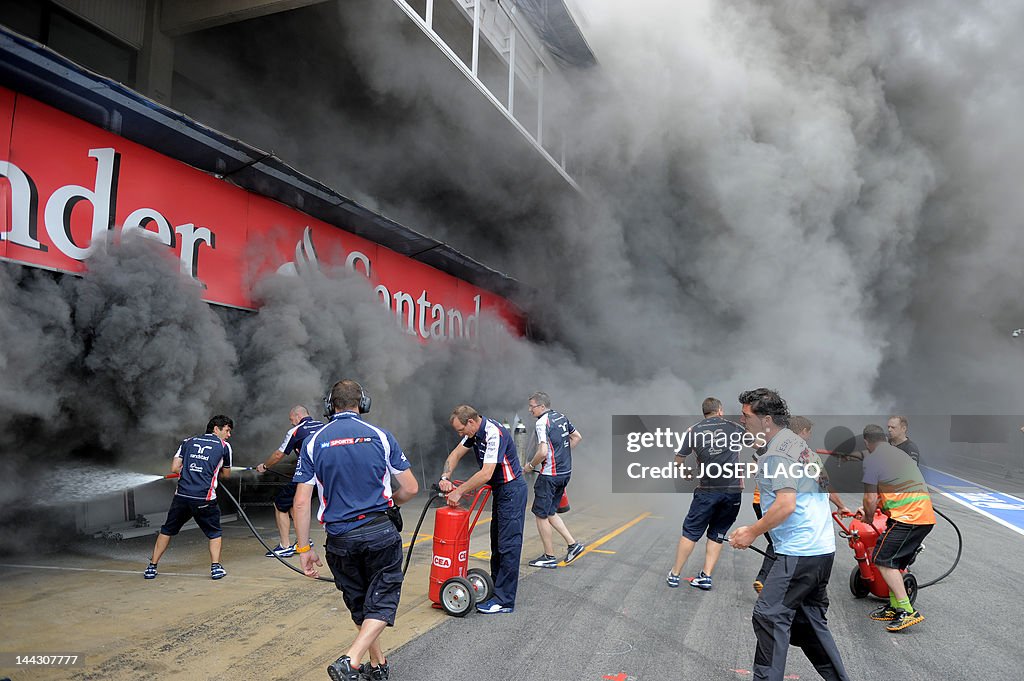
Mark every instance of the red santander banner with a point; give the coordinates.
(68, 183)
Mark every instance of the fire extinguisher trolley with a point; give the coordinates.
(862, 536)
(453, 587)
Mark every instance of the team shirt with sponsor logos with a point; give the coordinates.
(902, 492)
(807, 531)
(351, 463)
(295, 436)
(493, 444)
(553, 430)
(202, 457)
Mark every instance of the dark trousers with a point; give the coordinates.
(766, 562)
(508, 514)
(791, 610)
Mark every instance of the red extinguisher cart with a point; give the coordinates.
(862, 537)
(453, 587)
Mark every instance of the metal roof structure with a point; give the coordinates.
(557, 29)
(37, 71)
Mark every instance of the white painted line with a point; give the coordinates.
(971, 483)
(974, 508)
(77, 569)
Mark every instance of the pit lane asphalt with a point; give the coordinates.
(612, 616)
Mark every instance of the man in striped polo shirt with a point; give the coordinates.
(893, 483)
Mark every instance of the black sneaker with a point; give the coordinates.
(370, 673)
(904, 619)
(544, 560)
(150, 572)
(341, 670)
(573, 552)
(886, 613)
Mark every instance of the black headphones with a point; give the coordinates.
(364, 403)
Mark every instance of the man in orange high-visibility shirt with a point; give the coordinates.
(893, 482)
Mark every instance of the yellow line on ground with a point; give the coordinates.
(603, 551)
(428, 537)
(608, 537)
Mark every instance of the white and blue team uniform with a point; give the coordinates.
(202, 458)
(553, 430)
(293, 440)
(493, 444)
(351, 463)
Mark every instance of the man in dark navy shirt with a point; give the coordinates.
(897, 426)
(352, 464)
(716, 501)
(556, 437)
(199, 461)
(303, 425)
(499, 467)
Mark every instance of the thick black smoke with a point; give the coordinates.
(816, 196)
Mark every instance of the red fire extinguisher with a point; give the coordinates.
(453, 587)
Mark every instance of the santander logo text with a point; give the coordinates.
(66, 185)
(102, 197)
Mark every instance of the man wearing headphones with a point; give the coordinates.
(199, 461)
(499, 467)
(303, 425)
(353, 464)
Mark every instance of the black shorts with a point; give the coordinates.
(898, 546)
(714, 512)
(547, 494)
(367, 567)
(285, 497)
(205, 513)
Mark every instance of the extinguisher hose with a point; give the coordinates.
(959, 552)
(434, 496)
(260, 539)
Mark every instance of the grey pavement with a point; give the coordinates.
(612, 616)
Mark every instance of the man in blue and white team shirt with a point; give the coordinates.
(556, 437)
(499, 467)
(303, 425)
(353, 463)
(199, 461)
(792, 605)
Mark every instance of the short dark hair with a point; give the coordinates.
(464, 413)
(541, 398)
(710, 405)
(798, 423)
(219, 421)
(902, 419)
(766, 402)
(874, 433)
(345, 394)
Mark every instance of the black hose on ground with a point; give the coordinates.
(260, 539)
(959, 552)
